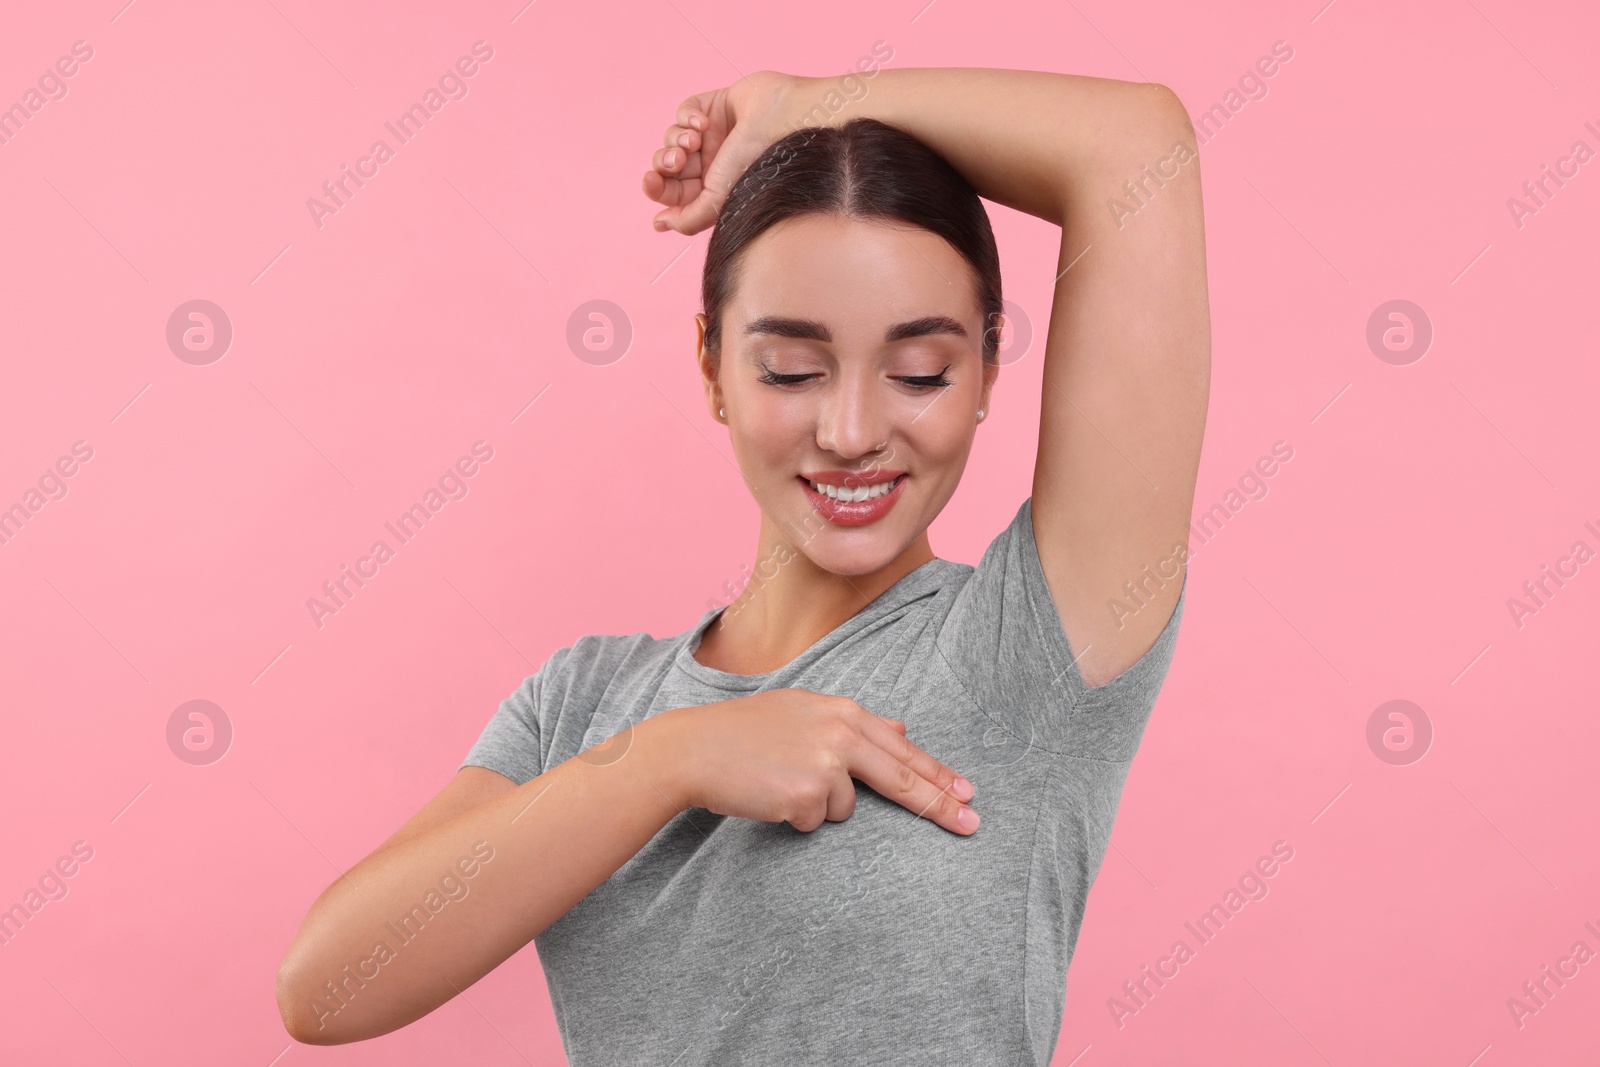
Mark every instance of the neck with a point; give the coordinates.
(790, 603)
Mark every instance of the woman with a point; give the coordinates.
(653, 810)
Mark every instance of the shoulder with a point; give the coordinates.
(595, 656)
(592, 688)
(596, 665)
(1004, 639)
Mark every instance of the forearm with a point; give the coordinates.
(550, 842)
(1035, 141)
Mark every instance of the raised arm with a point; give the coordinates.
(1127, 360)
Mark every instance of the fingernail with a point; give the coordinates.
(963, 788)
(671, 158)
(967, 818)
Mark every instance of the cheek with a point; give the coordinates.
(942, 438)
(771, 438)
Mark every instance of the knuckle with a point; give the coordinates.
(835, 704)
(838, 734)
(810, 794)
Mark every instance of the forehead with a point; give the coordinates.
(845, 271)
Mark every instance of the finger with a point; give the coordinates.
(659, 189)
(898, 745)
(674, 194)
(842, 800)
(698, 213)
(669, 160)
(674, 218)
(812, 813)
(692, 113)
(654, 185)
(805, 825)
(677, 163)
(681, 137)
(896, 781)
(667, 220)
(671, 189)
(692, 166)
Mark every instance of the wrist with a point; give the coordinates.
(809, 102)
(774, 104)
(663, 743)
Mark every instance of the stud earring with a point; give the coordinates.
(722, 413)
(980, 414)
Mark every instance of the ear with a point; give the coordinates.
(991, 371)
(708, 372)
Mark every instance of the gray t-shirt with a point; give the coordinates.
(882, 939)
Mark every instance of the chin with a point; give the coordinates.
(847, 550)
(850, 541)
(853, 563)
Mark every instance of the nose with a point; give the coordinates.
(853, 422)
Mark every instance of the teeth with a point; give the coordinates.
(859, 493)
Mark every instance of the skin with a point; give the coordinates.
(1128, 350)
(1126, 376)
(858, 412)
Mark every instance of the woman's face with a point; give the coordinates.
(835, 347)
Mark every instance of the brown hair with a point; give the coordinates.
(864, 169)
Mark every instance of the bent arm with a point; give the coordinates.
(1035, 141)
(1128, 355)
(437, 907)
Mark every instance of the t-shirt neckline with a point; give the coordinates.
(910, 585)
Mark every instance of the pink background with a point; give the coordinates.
(428, 313)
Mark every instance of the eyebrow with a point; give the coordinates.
(810, 330)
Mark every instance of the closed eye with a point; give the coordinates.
(928, 381)
(770, 377)
(920, 381)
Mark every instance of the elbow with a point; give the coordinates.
(1166, 109)
(298, 1004)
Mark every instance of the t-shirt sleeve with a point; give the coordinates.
(512, 741)
(1004, 641)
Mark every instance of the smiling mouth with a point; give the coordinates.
(854, 495)
(858, 505)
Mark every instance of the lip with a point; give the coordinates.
(851, 514)
(851, 479)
